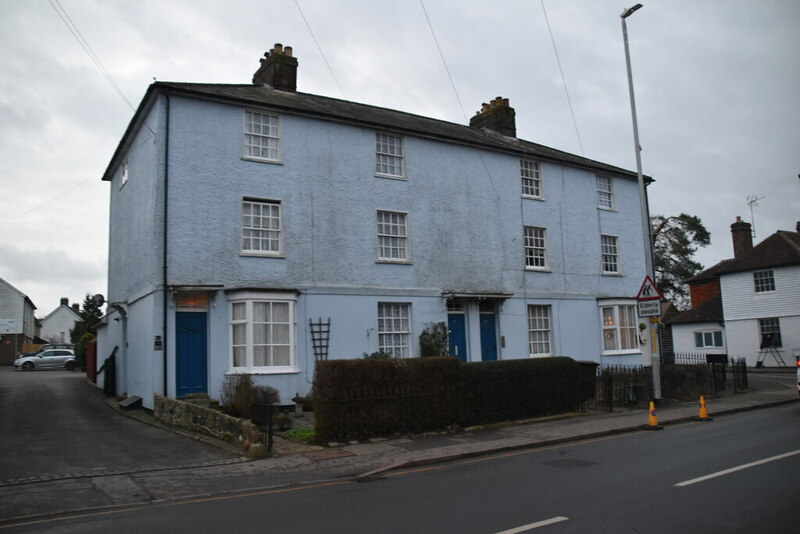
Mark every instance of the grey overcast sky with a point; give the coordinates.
(717, 85)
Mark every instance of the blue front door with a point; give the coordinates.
(191, 353)
(488, 337)
(457, 335)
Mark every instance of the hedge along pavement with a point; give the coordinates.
(357, 399)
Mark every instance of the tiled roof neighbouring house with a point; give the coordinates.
(708, 311)
(781, 249)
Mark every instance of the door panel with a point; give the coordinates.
(191, 353)
(457, 335)
(488, 337)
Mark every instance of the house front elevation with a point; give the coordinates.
(256, 229)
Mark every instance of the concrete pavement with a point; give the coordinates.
(296, 464)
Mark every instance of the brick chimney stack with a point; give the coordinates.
(64, 301)
(742, 237)
(278, 69)
(496, 116)
(76, 307)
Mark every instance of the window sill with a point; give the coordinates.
(606, 209)
(262, 160)
(613, 274)
(257, 255)
(394, 262)
(622, 353)
(538, 269)
(531, 197)
(252, 371)
(391, 177)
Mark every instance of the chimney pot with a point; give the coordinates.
(742, 235)
(278, 69)
(497, 116)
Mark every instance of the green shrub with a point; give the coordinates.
(433, 340)
(80, 350)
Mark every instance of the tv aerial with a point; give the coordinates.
(752, 201)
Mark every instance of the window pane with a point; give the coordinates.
(280, 312)
(260, 312)
(717, 339)
(260, 334)
(239, 357)
(239, 331)
(698, 339)
(238, 311)
(261, 356)
(280, 355)
(609, 339)
(280, 334)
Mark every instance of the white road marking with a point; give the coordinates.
(526, 528)
(734, 469)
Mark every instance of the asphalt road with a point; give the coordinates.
(56, 423)
(739, 473)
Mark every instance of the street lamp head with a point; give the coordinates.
(628, 12)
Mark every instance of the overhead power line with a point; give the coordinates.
(320, 49)
(48, 201)
(563, 79)
(76, 33)
(439, 48)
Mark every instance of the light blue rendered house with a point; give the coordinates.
(244, 217)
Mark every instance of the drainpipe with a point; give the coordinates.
(164, 342)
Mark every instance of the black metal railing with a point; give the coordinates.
(684, 377)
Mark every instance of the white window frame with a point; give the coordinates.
(770, 325)
(540, 330)
(243, 332)
(706, 339)
(252, 232)
(389, 156)
(394, 329)
(531, 178)
(262, 136)
(535, 248)
(393, 240)
(605, 192)
(764, 281)
(620, 328)
(609, 254)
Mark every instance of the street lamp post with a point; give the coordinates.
(646, 232)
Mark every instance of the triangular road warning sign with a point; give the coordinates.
(649, 291)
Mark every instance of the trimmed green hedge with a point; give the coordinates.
(509, 390)
(356, 399)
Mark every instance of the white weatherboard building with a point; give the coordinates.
(243, 216)
(17, 322)
(748, 306)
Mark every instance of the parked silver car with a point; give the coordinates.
(47, 359)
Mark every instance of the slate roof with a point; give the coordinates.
(708, 311)
(333, 109)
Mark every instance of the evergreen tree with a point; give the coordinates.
(675, 241)
(89, 316)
